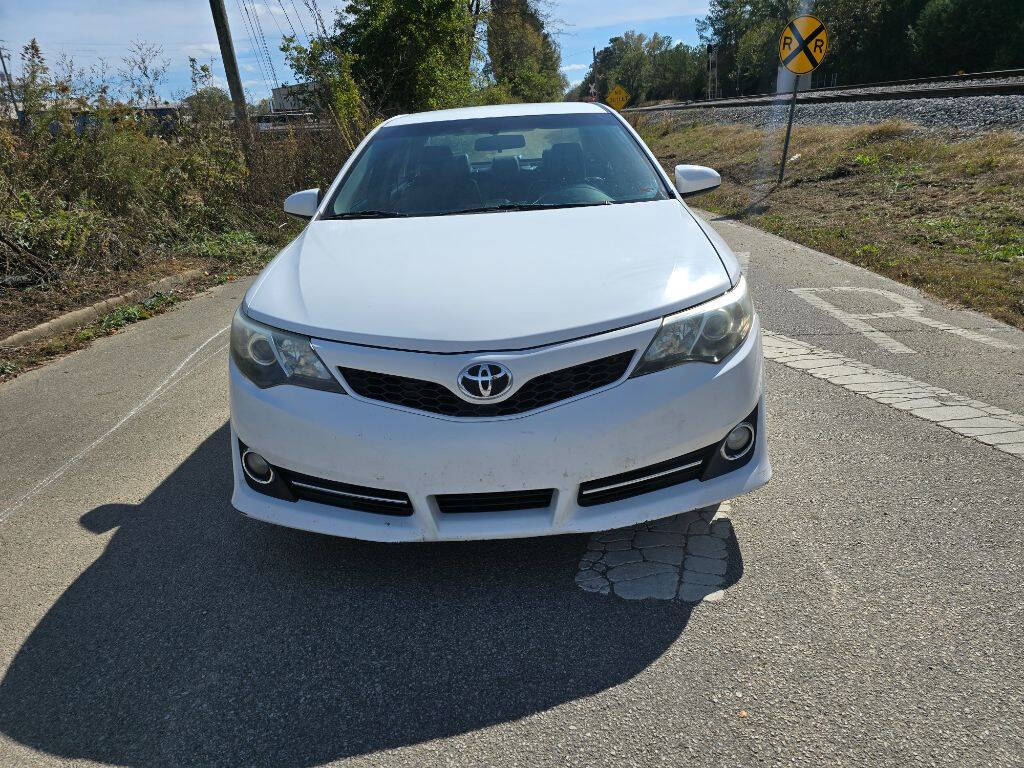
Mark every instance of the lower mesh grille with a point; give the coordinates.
(536, 393)
(456, 503)
(644, 480)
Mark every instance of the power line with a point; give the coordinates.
(299, 17)
(252, 45)
(256, 47)
(286, 18)
(318, 19)
(263, 39)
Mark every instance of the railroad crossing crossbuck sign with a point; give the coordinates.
(617, 98)
(803, 45)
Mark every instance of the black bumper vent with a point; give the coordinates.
(356, 497)
(536, 393)
(292, 486)
(703, 464)
(644, 480)
(456, 503)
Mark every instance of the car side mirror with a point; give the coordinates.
(694, 179)
(303, 204)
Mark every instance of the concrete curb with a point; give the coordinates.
(85, 314)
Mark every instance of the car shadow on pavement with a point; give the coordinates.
(200, 637)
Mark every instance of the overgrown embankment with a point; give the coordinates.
(90, 214)
(945, 215)
(100, 198)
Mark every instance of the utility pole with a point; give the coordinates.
(593, 75)
(227, 54)
(10, 88)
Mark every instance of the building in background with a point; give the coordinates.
(292, 98)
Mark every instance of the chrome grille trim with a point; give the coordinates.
(643, 479)
(336, 492)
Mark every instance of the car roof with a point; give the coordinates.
(499, 110)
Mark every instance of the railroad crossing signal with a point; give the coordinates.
(617, 98)
(803, 45)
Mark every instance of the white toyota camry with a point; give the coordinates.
(499, 322)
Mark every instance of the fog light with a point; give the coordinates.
(257, 468)
(738, 442)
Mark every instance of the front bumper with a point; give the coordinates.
(634, 424)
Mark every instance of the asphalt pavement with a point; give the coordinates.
(871, 613)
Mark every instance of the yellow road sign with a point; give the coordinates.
(617, 98)
(803, 45)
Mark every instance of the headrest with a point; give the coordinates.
(566, 161)
(505, 166)
(460, 166)
(435, 155)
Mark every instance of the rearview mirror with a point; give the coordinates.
(694, 179)
(500, 142)
(303, 204)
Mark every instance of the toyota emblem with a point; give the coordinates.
(485, 381)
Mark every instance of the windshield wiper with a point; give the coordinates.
(368, 215)
(529, 207)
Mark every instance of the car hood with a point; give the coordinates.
(494, 281)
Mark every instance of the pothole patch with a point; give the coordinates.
(684, 558)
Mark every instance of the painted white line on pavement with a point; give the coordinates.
(984, 423)
(165, 385)
(908, 309)
(854, 322)
(684, 557)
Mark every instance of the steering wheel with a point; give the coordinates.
(573, 193)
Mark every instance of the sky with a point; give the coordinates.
(95, 31)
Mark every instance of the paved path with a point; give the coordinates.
(865, 608)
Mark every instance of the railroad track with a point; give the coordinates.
(1002, 83)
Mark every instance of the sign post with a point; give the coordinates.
(803, 45)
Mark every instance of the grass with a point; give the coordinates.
(43, 350)
(224, 257)
(943, 215)
(16, 361)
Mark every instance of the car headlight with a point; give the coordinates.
(705, 334)
(269, 356)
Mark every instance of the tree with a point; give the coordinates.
(524, 59)
(969, 35)
(327, 69)
(647, 67)
(210, 100)
(408, 55)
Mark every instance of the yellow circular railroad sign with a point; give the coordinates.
(803, 45)
(617, 98)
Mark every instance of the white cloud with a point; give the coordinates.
(201, 50)
(588, 14)
(574, 68)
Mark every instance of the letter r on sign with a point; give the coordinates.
(787, 42)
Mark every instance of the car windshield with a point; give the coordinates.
(498, 163)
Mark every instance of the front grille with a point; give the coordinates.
(645, 480)
(456, 503)
(536, 393)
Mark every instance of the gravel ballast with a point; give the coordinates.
(961, 114)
